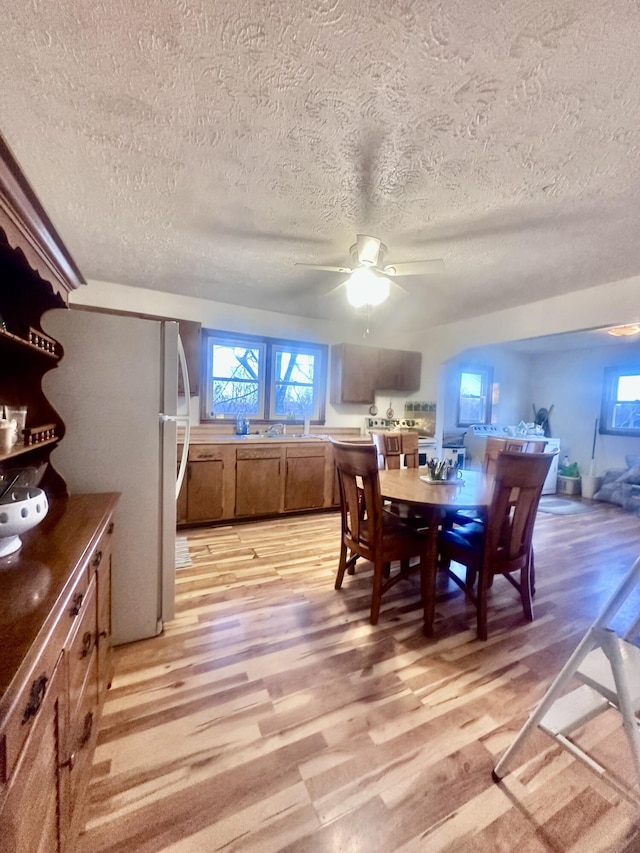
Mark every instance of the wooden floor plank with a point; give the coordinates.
(270, 715)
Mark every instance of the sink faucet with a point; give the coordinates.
(275, 429)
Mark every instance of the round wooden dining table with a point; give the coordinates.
(433, 500)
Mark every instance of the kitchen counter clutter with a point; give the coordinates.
(55, 618)
(237, 477)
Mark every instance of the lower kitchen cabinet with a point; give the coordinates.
(247, 479)
(55, 668)
(204, 490)
(29, 820)
(304, 484)
(258, 481)
(209, 484)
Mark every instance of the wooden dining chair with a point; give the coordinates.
(391, 448)
(368, 531)
(495, 446)
(502, 544)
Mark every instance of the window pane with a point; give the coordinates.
(293, 401)
(471, 384)
(474, 404)
(235, 375)
(293, 390)
(232, 398)
(294, 367)
(628, 389)
(235, 362)
(620, 412)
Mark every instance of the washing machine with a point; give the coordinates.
(475, 440)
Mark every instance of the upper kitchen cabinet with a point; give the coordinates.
(357, 372)
(398, 370)
(36, 274)
(354, 373)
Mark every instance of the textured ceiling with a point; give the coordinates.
(204, 147)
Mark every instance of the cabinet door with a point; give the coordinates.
(32, 819)
(258, 481)
(398, 370)
(83, 729)
(204, 490)
(354, 371)
(304, 478)
(105, 662)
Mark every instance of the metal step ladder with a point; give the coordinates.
(607, 669)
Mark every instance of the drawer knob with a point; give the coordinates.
(76, 604)
(36, 695)
(87, 644)
(110, 527)
(97, 559)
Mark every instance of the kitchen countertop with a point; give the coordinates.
(205, 434)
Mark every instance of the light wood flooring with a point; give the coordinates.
(271, 716)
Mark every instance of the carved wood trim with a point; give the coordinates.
(27, 228)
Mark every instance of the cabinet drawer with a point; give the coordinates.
(203, 453)
(102, 549)
(80, 649)
(83, 724)
(25, 708)
(304, 451)
(259, 453)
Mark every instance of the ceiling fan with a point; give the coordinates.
(368, 282)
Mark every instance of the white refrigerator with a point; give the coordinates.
(116, 391)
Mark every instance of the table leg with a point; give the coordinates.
(431, 556)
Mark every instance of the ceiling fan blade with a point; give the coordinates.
(415, 268)
(321, 267)
(368, 250)
(334, 289)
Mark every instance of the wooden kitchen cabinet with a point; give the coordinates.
(37, 274)
(29, 820)
(207, 493)
(304, 486)
(204, 490)
(258, 481)
(357, 372)
(398, 370)
(53, 672)
(354, 373)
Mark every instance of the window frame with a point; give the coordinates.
(266, 376)
(609, 399)
(486, 373)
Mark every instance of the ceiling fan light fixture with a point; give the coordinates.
(366, 287)
(624, 331)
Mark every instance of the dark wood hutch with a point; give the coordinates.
(55, 592)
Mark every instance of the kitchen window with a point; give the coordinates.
(474, 395)
(620, 411)
(263, 378)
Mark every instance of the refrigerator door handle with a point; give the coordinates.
(182, 360)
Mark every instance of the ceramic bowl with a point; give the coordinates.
(20, 510)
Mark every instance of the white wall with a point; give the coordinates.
(572, 381)
(218, 315)
(511, 386)
(608, 304)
